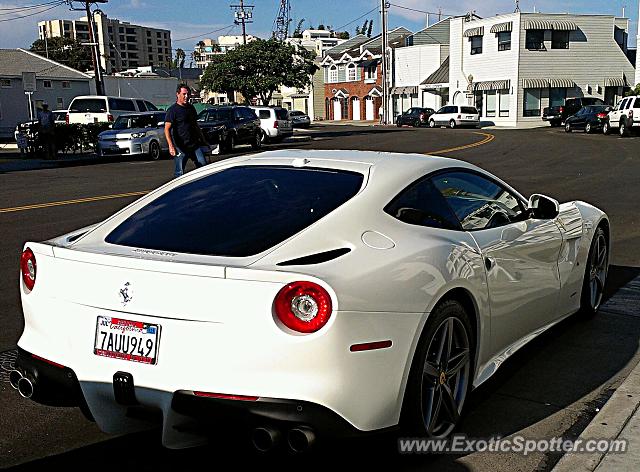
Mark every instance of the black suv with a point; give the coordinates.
(415, 117)
(230, 125)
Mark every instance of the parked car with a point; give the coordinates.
(136, 134)
(260, 288)
(299, 119)
(275, 123)
(590, 118)
(415, 116)
(625, 117)
(556, 115)
(60, 116)
(100, 108)
(454, 116)
(230, 125)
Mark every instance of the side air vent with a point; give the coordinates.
(316, 258)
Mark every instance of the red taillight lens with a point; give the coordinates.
(66, 118)
(275, 124)
(28, 268)
(601, 115)
(110, 117)
(561, 109)
(304, 307)
(630, 113)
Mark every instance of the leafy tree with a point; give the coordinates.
(343, 35)
(259, 68)
(66, 51)
(634, 91)
(321, 27)
(370, 29)
(297, 33)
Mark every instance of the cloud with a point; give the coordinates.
(137, 4)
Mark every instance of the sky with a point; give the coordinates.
(193, 20)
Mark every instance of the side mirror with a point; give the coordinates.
(542, 207)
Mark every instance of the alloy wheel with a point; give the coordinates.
(598, 262)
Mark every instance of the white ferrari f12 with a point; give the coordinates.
(306, 292)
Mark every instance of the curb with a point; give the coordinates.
(619, 418)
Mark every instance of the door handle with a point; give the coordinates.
(488, 263)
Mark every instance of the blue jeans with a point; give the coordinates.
(181, 158)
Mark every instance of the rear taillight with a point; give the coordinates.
(304, 307)
(601, 115)
(630, 113)
(561, 109)
(275, 124)
(66, 118)
(459, 117)
(110, 117)
(28, 268)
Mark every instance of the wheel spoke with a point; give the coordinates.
(602, 254)
(450, 328)
(457, 362)
(431, 371)
(449, 404)
(434, 412)
(442, 341)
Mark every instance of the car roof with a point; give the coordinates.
(143, 113)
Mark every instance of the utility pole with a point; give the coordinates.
(243, 15)
(93, 42)
(385, 90)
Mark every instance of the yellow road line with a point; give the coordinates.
(488, 138)
(73, 202)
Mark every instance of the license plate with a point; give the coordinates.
(126, 340)
(469, 117)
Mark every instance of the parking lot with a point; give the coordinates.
(550, 388)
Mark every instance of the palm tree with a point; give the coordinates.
(180, 57)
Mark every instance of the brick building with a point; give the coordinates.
(353, 76)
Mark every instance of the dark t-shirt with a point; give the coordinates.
(184, 124)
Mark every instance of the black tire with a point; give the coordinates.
(432, 124)
(606, 128)
(441, 373)
(265, 138)
(555, 123)
(588, 128)
(567, 128)
(416, 124)
(624, 131)
(154, 151)
(452, 124)
(595, 273)
(256, 143)
(399, 123)
(229, 144)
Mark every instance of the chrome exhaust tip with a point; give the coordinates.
(25, 387)
(265, 438)
(14, 378)
(301, 439)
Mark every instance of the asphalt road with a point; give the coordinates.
(550, 388)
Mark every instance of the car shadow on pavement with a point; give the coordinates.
(568, 371)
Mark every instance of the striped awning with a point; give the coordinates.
(550, 25)
(502, 27)
(479, 31)
(562, 83)
(492, 85)
(535, 83)
(404, 90)
(615, 82)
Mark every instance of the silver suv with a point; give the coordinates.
(139, 134)
(624, 117)
(275, 123)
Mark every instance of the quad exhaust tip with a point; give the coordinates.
(23, 384)
(14, 378)
(265, 438)
(301, 439)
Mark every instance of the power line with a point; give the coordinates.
(402, 7)
(204, 34)
(30, 7)
(359, 18)
(33, 14)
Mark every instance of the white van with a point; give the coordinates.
(100, 108)
(275, 123)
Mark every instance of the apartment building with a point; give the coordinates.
(122, 45)
(205, 50)
(513, 66)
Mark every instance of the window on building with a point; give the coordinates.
(557, 96)
(5, 83)
(505, 102)
(148, 33)
(158, 35)
(131, 31)
(131, 39)
(333, 74)
(121, 37)
(532, 102)
(351, 72)
(371, 72)
(159, 42)
(491, 103)
(47, 84)
(476, 44)
(534, 40)
(149, 41)
(559, 40)
(59, 103)
(121, 29)
(66, 84)
(504, 41)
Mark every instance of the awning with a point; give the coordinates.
(341, 93)
(550, 25)
(502, 27)
(375, 91)
(369, 63)
(479, 31)
(404, 90)
(535, 83)
(615, 82)
(492, 85)
(299, 95)
(440, 76)
(562, 83)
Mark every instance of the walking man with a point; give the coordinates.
(47, 131)
(183, 134)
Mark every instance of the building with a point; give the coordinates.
(204, 51)
(318, 41)
(513, 66)
(122, 45)
(56, 84)
(353, 76)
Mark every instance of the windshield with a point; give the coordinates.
(592, 101)
(282, 114)
(237, 212)
(92, 105)
(137, 121)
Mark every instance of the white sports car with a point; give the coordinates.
(306, 292)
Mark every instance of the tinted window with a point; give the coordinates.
(295, 113)
(150, 106)
(237, 212)
(592, 101)
(121, 104)
(282, 114)
(92, 105)
(469, 110)
(264, 114)
(479, 203)
(219, 115)
(248, 114)
(422, 204)
(141, 105)
(136, 121)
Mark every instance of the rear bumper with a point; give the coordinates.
(552, 118)
(122, 148)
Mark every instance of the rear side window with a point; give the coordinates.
(469, 110)
(237, 212)
(282, 114)
(264, 114)
(121, 104)
(423, 205)
(141, 105)
(150, 106)
(592, 101)
(91, 105)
